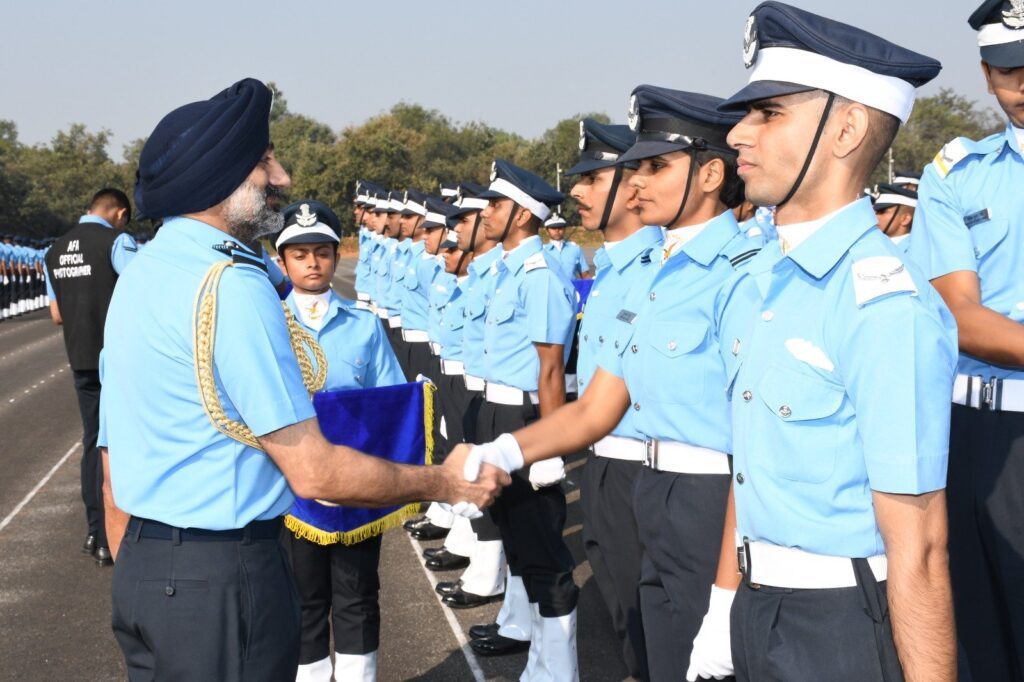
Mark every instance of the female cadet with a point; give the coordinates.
(662, 364)
(335, 581)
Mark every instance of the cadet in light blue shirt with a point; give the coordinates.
(568, 254)
(894, 209)
(335, 581)
(968, 237)
(840, 359)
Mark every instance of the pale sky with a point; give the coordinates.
(520, 65)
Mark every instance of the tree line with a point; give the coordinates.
(44, 188)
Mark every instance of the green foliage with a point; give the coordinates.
(44, 188)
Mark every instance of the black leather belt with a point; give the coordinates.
(156, 530)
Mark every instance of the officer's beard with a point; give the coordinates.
(251, 212)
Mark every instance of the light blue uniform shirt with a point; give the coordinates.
(357, 350)
(382, 261)
(902, 244)
(122, 252)
(440, 291)
(570, 258)
(843, 358)
(532, 301)
(392, 297)
(453, 319)
(363, 267)
(420, 267)
(167, 461)
(477, 289)
(628, 264)
(666, 347)
(971, 219)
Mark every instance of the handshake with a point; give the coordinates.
(492, 463)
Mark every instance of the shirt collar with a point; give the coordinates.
(335, 306)
(417, 247)
(202, 233)
(632, 246)
(795, 234)
(483, 262)
(515, 258)
(713, 237)
(88, 218)
(826, 245)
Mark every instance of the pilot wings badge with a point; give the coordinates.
(1014, 17)
(304, 218)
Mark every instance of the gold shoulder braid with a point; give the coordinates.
(204, 324)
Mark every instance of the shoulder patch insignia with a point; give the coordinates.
(952, 153)
(878, 276)
(535, 262)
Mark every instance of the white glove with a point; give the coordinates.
(547, 472)
(467, 510)
(502, 452)
(6, 280)
(712, 647)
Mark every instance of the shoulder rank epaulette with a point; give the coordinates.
(535, 262)
(243, 258)
(958, 149)
(877, 276)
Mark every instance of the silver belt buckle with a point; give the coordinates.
(651, 453)
(991, 393)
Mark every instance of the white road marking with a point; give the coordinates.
(453, 623)
(39, 486)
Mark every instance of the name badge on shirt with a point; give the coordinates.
(626, 316)
(977, 217)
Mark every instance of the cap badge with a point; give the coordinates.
(634, 114)
(750, 41)
(304, 218)
(405, 197)
(583, 137)
(494, 171)
(1014, 17)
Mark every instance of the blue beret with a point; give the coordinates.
(791, 50)
(308, 221)
(601, 146)
(1000, 27)
(673, 120)
(202, 152)
(530, 191)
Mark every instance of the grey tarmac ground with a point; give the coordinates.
(55, 602)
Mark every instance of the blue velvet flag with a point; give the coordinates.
(393, 422)
(583, 287)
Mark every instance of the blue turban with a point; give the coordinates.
(202, 152)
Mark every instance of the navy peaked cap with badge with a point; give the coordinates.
(601, 145)
(556, 220)
(415, 203)
(902, 177)
(790, 50)
(449, 190)
(667, 121)
(1000, 27)
(894, 195)
(200, 153)
(308, 221)
(439, 213)
(467, 198)
(527, 189)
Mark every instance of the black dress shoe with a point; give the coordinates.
(460, 599)
(429, 531)
(483, 630)
(446, 561)
(431, 551)
(103, 557)
(89, 546)
(413, 524)
(497, 645)
(448, 587)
